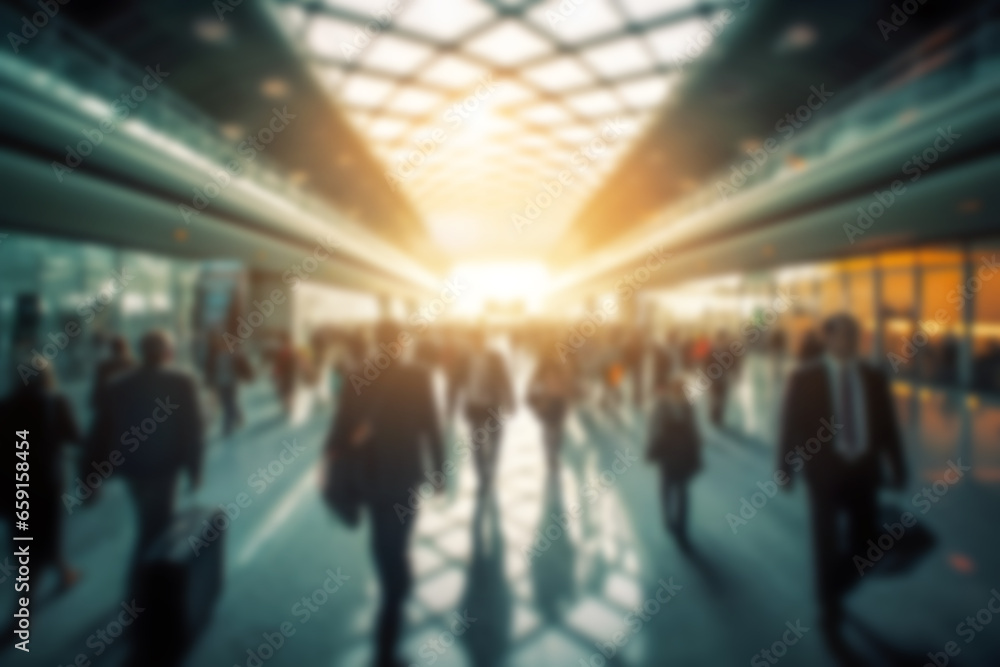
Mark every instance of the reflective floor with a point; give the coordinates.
(509, 580)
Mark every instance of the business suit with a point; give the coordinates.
(675, 445)
(830, 409)
(153, 418)
(400, 416)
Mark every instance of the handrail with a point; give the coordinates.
(63, 53)
(867, 98)
(973, 50)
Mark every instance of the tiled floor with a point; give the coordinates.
(542, 590)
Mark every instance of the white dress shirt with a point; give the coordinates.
(846, 450)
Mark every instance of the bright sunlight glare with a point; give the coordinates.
(500, 283)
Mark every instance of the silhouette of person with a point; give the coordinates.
(667, 355)
(947, 371)
(488, 398)
(633, 355)
(394, 423)
(986, 369)
(777, 348)
(549, 393)
(150, 426)
(284, 371)
(224, 370)
(718, 392)
(675, 445)
(351, 427)
(35, 406)
(426, 355)
(839, 429)
(453, 361)
(811, 347)
(117, 362)
(613, 378)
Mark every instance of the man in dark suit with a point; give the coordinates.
(394, 423)
(149, 426)
(489, 398)
(839, 429)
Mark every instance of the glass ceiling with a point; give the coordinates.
(475, 107)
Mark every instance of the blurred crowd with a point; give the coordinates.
(397, 396)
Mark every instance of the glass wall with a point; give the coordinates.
(63, 299)
(930, 317)
(984, 352)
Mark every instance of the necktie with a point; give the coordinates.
(849, 438)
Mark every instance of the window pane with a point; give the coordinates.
(861, 304)
(938, 430)
(986, 325)
(986, 441)
(941, 320)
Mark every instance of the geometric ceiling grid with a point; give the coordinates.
(476, 109)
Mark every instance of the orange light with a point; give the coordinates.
(970, 206)
(961, 563)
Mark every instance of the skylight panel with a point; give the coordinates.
(597, 103)
(623, 56)
(575, 134)
(361, 90)
(511, 93)
(546, 114)
(574, 22)
(414, 101)
(443, 20)
(326, 36)
(645, 93)
(387, 128)
(451, 71)
(389, 53)
(559, 74)
(508, 44)
(671, 42)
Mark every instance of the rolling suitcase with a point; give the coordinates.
(177, 583)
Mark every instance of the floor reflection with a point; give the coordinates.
(553, 558)
(487, 597)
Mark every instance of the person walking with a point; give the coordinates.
(549, 394)
(382, 431)
(675, 445)
(844, 405)
(150, 420)
(44, 424)
(489, 398)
